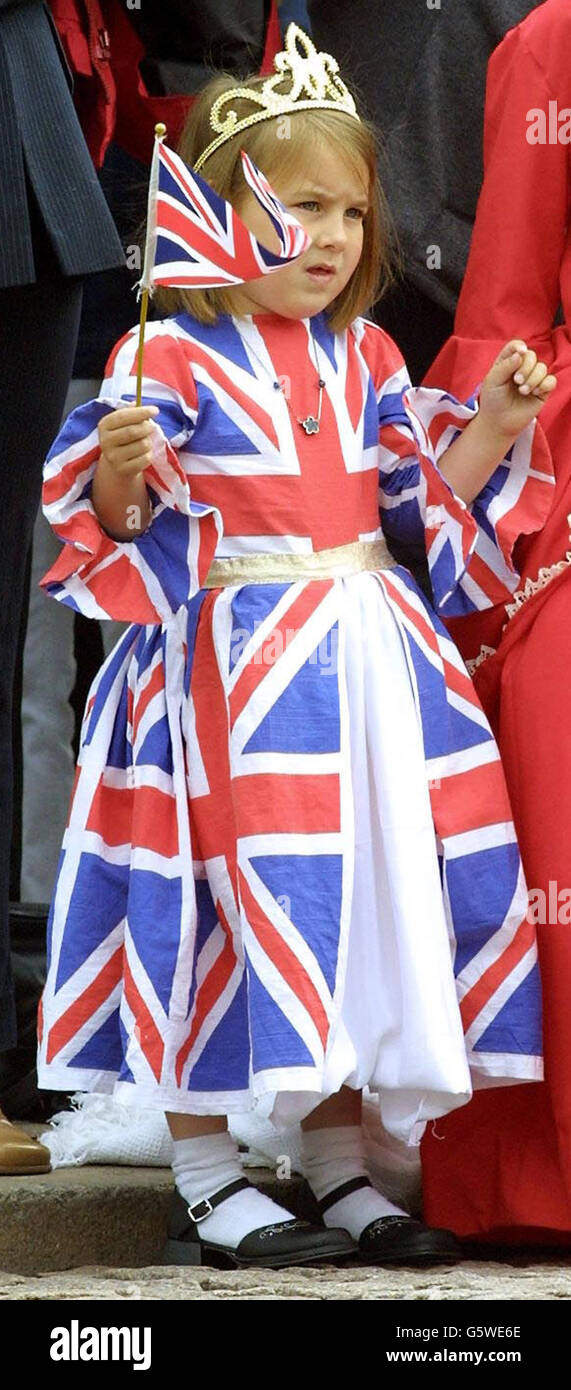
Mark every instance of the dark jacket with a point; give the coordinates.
(43, 155)
(421, 74)
(162, 55)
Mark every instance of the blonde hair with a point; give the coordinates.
(356, 143)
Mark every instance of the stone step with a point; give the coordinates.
(103, 1215)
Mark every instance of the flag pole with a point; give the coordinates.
(142, 322)
(160, 132)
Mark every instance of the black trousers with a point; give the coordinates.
(38, 332)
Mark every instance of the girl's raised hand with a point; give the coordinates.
(125, 436)
(515, 388)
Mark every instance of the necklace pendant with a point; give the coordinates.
(310, 425)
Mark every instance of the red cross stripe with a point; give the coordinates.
(69, 1023)
(336, 505)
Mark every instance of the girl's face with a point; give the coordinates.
(330, 198)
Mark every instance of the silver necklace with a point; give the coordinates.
(311, 423)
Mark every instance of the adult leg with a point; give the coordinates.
(47, 717)
(47, 725)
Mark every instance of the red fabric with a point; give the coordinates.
(501, 1167)
(137, 111)
(85, 41)
(104, 53)
(273, 41)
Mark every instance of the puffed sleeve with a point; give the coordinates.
(144, 580)
(469, 549)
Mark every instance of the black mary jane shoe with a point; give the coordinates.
(270, 1247)
(398, 1240)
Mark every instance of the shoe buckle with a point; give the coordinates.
(200, 1210)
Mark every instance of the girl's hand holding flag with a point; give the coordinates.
(125, 437)
(119, 488)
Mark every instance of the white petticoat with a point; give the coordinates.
(400, 1031)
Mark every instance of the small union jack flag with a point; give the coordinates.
(196, 240)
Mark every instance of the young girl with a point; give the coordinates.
(289, 808)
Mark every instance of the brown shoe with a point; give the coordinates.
(19, 1153)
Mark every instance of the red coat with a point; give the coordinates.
(505, 1164)
(137, 111)
(85, 41)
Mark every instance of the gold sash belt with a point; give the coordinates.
(286, 569)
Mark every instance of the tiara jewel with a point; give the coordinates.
(314, 83)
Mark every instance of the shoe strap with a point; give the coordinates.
(200, 1210)
(344, 1190)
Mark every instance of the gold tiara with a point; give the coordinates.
(314, 84)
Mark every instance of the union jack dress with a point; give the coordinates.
(290, 862)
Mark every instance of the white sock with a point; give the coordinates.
(332, 1157)
(202, 1167)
